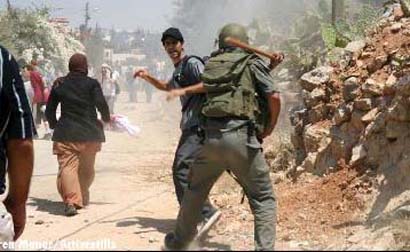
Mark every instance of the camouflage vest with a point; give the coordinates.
(230, 89)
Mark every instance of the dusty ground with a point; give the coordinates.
(133, 204)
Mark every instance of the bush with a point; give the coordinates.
(28, 33)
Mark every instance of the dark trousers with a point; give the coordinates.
(242, 154)
(40, 115)
(3, 163)
(188, 149)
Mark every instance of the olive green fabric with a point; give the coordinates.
(228, 80)
(237, 86)
(240, 152)
(233, 30)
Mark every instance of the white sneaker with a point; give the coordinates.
(206, 225)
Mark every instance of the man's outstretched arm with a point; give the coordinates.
(143, 74)
(194, 89)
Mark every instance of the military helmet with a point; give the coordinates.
(232, 30)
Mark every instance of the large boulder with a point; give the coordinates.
(405, 6)
(297, 114)
(370, 116)
(358, 154)
(377, 63)
(372, 88)
(398, 12)
(315, 137)
(309, 163)
(356, 120)
(342, 114)
(313, 98)
(364, 104)
(316, 78)
(355, 47)
(351, 89)
(390, 86)
(317, 113)
(377, 125)
(341, 56)
(343, 140)
(325, 161)
(396, 27)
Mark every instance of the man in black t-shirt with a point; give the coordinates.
(16, 146)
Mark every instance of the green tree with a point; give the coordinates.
(6, 34)
(29, 34)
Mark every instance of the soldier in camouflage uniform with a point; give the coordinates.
(241, 108)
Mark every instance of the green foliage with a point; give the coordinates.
(32, 31)
(6, 34)
(28, 34)
(301, 29)
(300, 60)
(304, 50)
(355, 28)
(313, 36)
(329, 35)
(365, 19)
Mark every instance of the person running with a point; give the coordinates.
(78, 133)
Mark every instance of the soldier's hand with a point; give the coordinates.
(142, 73)
(275, 60)
(174, 93)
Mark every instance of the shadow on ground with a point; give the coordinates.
(48, 206)
(53, 207)
(164, 226)
(147, 224)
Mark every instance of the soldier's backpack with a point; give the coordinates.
(230, 89)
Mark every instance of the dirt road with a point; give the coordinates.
(132, 199)
(133, 204)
